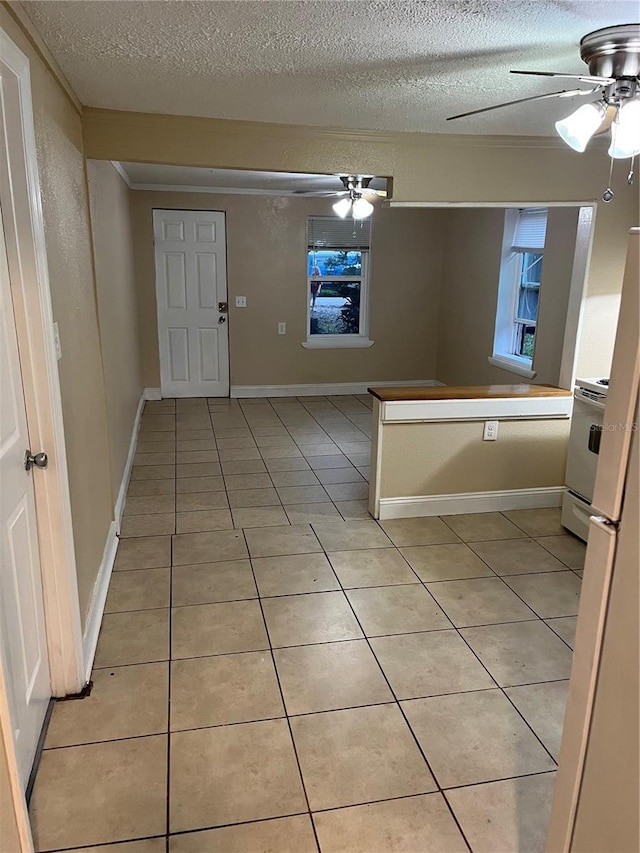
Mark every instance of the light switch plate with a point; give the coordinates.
(241, 301)
(56, 338)
(282, 328)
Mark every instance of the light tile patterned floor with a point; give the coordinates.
(278, 672)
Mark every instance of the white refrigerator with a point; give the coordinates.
(597, 792)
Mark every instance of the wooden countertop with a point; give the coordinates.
(465, 392)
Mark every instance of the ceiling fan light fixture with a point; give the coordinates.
(578, 128)
(342, 207)
(361, 208)
(625, 131)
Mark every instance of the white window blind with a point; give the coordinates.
(331, 232)
(530, 230)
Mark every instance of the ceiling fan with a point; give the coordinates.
(353, 201)
(612, 56)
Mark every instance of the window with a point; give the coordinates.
(519, 289)
(337, 282)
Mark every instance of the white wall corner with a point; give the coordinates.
(152, 394)
(98, 600)
(324, 389)
(455, 504)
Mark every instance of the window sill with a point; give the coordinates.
(513, 365)
(337, 342)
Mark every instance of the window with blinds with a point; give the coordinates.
(330, 232)
(530, 230)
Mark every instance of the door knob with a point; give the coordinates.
(223, 307)
(40, 460)
(222, 319)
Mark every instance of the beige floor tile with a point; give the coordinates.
(196, 444)
(287, 464)
(243, 466)
(543, 706)
(198, 501)
(337, 460)
(198, 469)
(152, 472)
(216, 629)
(247, 482)
(314, 513)
(157, 423)
(281, 452)
(340, 475)
(520, 652)
(396, 610)
(215, 546)
(259, 516)
(412, 825)
(165, 446)
(510, 816)
(359, 459)
(365, 470)
(330, 676)
(537, 522)
(277, 438)
(567, 548)
(164, 457)
(353, 510)
(445, 562)
(144, 589)
(348, 491)
(196, 434)
(153, 435)
(100, 792)
(145, 845)
(294, 575)
(351, 535)
(475, 737)
(188, 485)
(157, 524)
(343, 762)
(280, 541)
(321, 617)
(239, 454)
(429, 664)
(125, 702)
(283, 835)
(253, 497)
(216, 691)
(150, 504)
(141, 636)
(141, 488)
(197, 456)
(302, 494)
(552, 594)
(151, 552)
(203, 520)
(231, 774)
(517, 557)
(236, 442)
(564, 627)
(479, 601)
(418, 531)
(479, 526)
(207, 583)
(371, 567)
(294, 478)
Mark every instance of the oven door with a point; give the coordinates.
(584, 445)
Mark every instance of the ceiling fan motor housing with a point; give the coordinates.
(613, 52)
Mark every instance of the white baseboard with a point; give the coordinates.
(423, 505)
(126, 474)
(152, 394)
(322, 389)
(98, 599)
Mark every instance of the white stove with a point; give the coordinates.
(596, 386)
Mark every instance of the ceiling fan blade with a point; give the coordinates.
(564, 93)
(585, 78)
(379, 193)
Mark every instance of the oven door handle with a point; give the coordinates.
(588, 401)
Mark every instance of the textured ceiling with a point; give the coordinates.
(357, 64)
(234, 180)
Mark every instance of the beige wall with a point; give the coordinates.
(66, 217)
(471, 272)
(117, 310)
(9, 836)
(452, 458)
(266, 262)
(424, 167)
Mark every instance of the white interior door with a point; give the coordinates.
(23, 642)
(191, 290)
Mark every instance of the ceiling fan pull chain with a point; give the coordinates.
(608, 194)
(631, 170)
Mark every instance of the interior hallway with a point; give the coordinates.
(269, 652)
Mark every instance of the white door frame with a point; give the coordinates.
(25, 239)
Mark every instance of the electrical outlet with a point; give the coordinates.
(56, 338)
(241, 301)
(282, 328)
(490, 431)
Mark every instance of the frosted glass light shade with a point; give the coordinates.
(578, 128)
(625, 131)
(362, 208)
(342, 207)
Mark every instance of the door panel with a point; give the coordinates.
(22, 632)
(190, 283)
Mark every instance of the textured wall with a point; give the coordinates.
(117, 309)
(266, 262)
